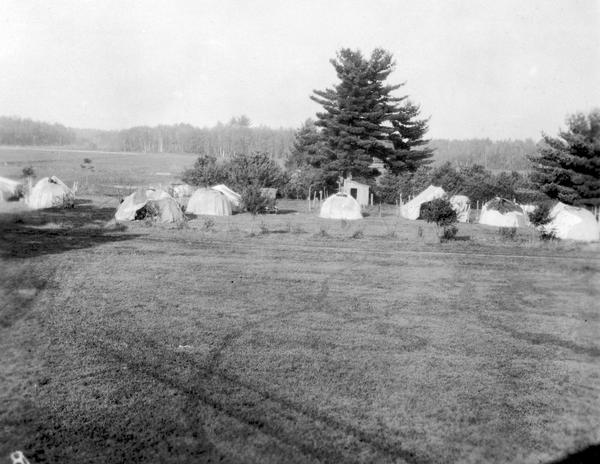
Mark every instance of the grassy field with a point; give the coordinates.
(113, 173)
(289, 338)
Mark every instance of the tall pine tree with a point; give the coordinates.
(306, 149)
(362, 120)
(567, 168)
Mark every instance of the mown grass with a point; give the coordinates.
(289, 338)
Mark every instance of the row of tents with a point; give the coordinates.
(566, 222)
(215, 201)
(46, 193)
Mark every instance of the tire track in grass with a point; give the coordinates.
(319, 248)
(266, 412)
(303, 427)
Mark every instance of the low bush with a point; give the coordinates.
(449, 233)
(358, 234)
(254, 202)
(540, 218)
(441, 213)
(438, 211)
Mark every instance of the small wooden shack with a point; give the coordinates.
(358, 191)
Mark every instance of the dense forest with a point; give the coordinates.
(505, 155)
(17, 131)
(239, 136)
(219, 141)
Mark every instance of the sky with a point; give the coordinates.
(501, 69)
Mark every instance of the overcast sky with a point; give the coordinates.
(498, 69)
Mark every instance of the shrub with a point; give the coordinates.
(206, 171)
(547, 235)
(441, 213)
(28, 171)
(358, 234)
(254, 169)
(254, 202)
(449, 232)
(540, 216)
(388, 188)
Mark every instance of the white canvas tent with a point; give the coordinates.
(8, 188)
(131, 205)
(234, 198)
(165, 208)
(49, 192)
(501, 212)
(210, 202)
(412, 209)
(462, 205)
(572, 223)
(340, 206)
(156, 194)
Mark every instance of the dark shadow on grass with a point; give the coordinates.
(286, 211)
(28, 234)
(589, 454)
(462, 238)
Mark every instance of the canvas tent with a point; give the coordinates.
(182, 190)
(8, 188)
(235, 199)
(340, 206)
(131, 205)
(501, 212)
(572, 223)
(210, 202)
(49, 192)
(143, 202)
(412, 209)
(462, 206)
(156, 194)
(166, 210)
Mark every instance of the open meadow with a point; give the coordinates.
(113, 173)
(288, 338)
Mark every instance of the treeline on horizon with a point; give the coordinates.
(238, 136)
